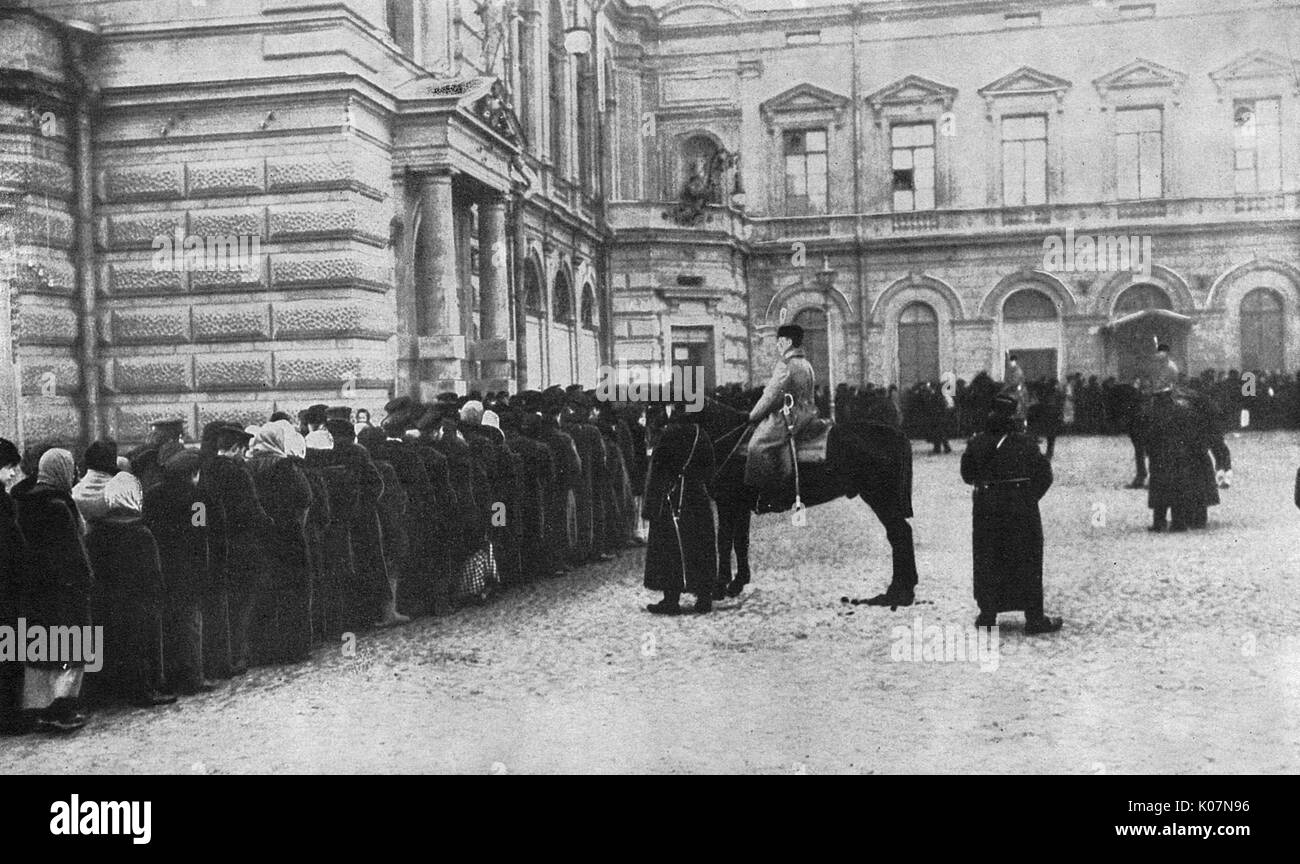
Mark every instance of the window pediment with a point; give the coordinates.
(1026, 81)
(1140, 75)
(806, 100)
(910, 92)
(1256, 67)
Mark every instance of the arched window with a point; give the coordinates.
(1262, 331)
(918, 345)
(557, 90)
(1141, 297)
(533, 288)
(1028, 305)
(562, 298)
(697, 154)
(588, 311)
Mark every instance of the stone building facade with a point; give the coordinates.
(422, 195)
(224, 208)
(903, 165)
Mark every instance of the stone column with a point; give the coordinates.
(441, 346)
(495, 350)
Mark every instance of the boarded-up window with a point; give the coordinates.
(1262, 331)
(918, 345)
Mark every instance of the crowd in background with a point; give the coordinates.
(934, 412)
(254, 544)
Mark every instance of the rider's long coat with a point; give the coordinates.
(682, 555)
(794, 375)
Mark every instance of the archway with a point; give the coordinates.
(1263, 331)
(1144, 317)
(534, 324)
(1031, 330)
(816, 342)
(918, 345)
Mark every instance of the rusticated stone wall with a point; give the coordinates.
(311, 318)
(40, 371)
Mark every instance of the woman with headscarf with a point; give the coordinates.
(682, 554)
(281, 631)
(88, 494)
(128, 580)
(176, 515)
(54, 587)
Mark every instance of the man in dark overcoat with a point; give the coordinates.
(1010, 476)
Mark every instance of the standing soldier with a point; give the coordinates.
(1009, 476)
(682, 555)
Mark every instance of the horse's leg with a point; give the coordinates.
(741, 540)
(726, 520)
(902, 586)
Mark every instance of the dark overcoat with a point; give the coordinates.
(55, 579)
(682, 553)
(1010, 476)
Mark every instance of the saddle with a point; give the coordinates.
(810, 449)
(810, 445)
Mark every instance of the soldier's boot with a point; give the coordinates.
(1040, 624)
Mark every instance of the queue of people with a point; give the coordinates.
(256, 544)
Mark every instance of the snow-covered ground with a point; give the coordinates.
(1180, 654)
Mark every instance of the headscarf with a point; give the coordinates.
(294, 443)
(319, 440)
(471, 412)
(123, 495)
(270, 439)
(88, 494)
(491, 419)
(57, 470)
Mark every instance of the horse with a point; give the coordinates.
(865, 459)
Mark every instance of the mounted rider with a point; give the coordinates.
(1164, 376)
(769, 466)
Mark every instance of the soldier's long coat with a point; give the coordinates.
(1006, 528)
(682, 554)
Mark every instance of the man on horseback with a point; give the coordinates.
(769, 466)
